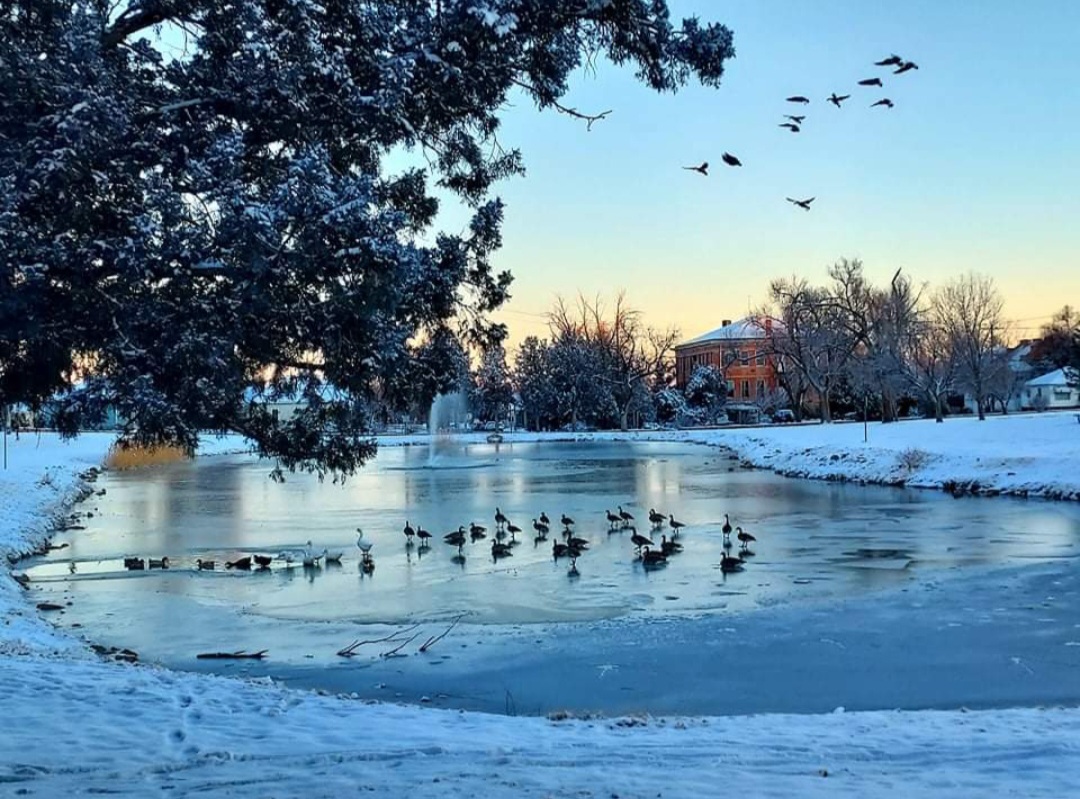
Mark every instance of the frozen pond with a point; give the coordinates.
(818, 543)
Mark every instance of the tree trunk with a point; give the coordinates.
(939, 415)
(826, 411)
(982, 408)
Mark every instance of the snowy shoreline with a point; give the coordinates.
(1022, 455)
(143, 729)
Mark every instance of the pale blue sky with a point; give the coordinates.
(976, 168)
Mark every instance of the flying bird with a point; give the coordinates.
(731, 160)
(891, 61)
(836, 100)
(885, 102)
(907, 66)
(804, 204)
(798, 98)
(703, 169)
(870, 82)
(790, 126)
(798, 120)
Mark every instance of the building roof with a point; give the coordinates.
(744, 329)
(1055, 378)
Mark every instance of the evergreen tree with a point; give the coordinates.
(195, 209)
(492, 394)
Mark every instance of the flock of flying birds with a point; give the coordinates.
(794, 122)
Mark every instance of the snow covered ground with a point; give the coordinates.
(1020, 454)
(75, 724)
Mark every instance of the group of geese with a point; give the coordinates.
(308, 556)
(646, 550)
(794, 122)
(504, 539)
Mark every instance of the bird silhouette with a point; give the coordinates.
(790, 126)
(703, 169)
(836, 100)
(870, 82)
(804, 204)
(731, 160)
(907, 66)
(891, 61)
(798, 98)
(798, 120)
(885, 102)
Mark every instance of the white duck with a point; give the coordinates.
(362, 543)
(332, 557)
(311, 557)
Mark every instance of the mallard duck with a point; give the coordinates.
(205, 565)
(159, 563)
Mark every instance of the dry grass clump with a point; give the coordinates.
(134, 457)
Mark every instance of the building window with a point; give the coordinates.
(731, 388)
(761, 388)
(746, 389)
(760, 358)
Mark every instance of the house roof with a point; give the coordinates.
(1055, 378)
(744, 329)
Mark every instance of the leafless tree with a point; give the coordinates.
(816, 340)
(929, 365)
(876, 320)
(969, 311)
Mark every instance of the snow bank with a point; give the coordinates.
(79, 725)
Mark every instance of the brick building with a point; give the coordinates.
(741, 351)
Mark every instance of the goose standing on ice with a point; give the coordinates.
(311, 557)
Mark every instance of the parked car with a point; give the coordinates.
(783, 416)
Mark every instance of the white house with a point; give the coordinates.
(1051, 391)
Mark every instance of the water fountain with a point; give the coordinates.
(448, 415)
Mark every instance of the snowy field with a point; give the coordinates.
(78, 725)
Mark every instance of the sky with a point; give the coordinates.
(975, 169)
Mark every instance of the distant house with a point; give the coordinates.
(1053, 390)
(741, 351)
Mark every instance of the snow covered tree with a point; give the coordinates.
(706, 394)
(630, 353)
(532, 379)
(196, 207)
(492, 394)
